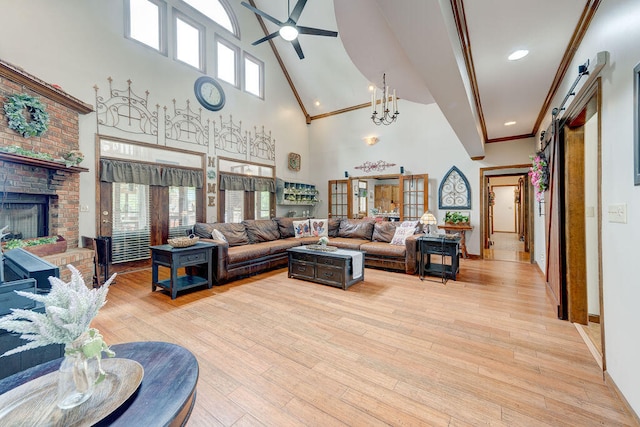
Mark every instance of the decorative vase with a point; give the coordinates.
(77, 376)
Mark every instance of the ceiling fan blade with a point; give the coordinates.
(316, 31)
(296, 46)
(265, 38)
(297, 10)
(263, 14)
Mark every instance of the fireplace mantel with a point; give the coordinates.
(47, 164)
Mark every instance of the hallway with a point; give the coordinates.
(506, 247)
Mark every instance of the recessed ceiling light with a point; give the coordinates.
(317, 103)
(518, 54)
(371, 88)
(509, 123)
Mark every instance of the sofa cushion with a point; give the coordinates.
(384, 249)
(356, 228)
(261, 230)
(285, 226)
(245, 253)
(301, 228)
(319, 227)
(383, 231)
(334, 226)
(203, 230)
(281, 245)
(235, 233)
(347, 243)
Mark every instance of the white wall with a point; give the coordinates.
(78, 44)
(421, 140)
(615, 29)
(592, 242)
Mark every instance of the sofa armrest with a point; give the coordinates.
(220, 259)
(411, 244)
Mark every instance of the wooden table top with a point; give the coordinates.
(165, 396)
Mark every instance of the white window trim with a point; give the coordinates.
(162, 25)
(260, 64)
(202, 36)
(235, 48)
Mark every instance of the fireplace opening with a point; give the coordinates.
(25, 214)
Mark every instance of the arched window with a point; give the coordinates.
(219, 11)
(454, 192)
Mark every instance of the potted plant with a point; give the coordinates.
(40, 246)
(456, 218)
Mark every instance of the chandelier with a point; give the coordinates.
(387, 105)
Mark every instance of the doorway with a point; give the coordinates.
(506, 214)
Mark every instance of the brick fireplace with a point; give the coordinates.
(23, 176)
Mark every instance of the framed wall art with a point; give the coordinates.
(293, 162)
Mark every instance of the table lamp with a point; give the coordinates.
(428, 219)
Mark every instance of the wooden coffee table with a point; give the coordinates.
(340, 268)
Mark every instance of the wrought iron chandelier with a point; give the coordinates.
(387, 104)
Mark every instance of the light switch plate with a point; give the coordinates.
(618, 213)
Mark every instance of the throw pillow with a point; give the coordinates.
(301, 228)
(319, 227)
(404, 230)
(217, 235)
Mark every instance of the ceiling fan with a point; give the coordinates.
(290, 29)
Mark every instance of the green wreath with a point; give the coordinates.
(14, 110)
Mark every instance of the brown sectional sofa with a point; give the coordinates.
(254, 246)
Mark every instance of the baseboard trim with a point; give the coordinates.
(611, 383)
(592, 348)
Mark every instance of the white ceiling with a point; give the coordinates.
(415, 42)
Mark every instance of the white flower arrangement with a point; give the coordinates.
(69, 310)
(323, 240)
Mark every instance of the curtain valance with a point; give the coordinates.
(246, 183)
(146, 174)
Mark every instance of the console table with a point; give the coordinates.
(339, 268)
(175, 258)
(444, 247)
(458, 228)
(165, 397)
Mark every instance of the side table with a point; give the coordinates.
(175, 258)
(441, 246)
(462, 229)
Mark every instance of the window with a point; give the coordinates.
(227, 55)
(145, 20)
(131, 233)
(182, 210)
(217, 11)
(253, 76)
(189, 39)
(247, 190)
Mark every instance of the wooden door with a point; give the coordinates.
(414, 197)
(339, 204)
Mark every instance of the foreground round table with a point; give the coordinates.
(166, 395)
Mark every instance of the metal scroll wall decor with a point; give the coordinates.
(454, 191)
(123, 109)
(232, 141)
(186, 125)
(378, 166)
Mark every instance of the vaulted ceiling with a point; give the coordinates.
(452, 52)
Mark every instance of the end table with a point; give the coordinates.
(175, 258)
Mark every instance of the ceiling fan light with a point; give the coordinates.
(518, 54)
(288, 33)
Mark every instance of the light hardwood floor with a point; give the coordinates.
(392, 350)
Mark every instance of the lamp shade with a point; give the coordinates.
(428, 219)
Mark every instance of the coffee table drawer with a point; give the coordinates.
(337, 262)
(303, 257)
(330, 275)
(302, 269)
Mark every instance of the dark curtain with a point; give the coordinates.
(246, 183)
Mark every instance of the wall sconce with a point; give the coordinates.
(346, 174)
(401, 170)
(371, 140)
